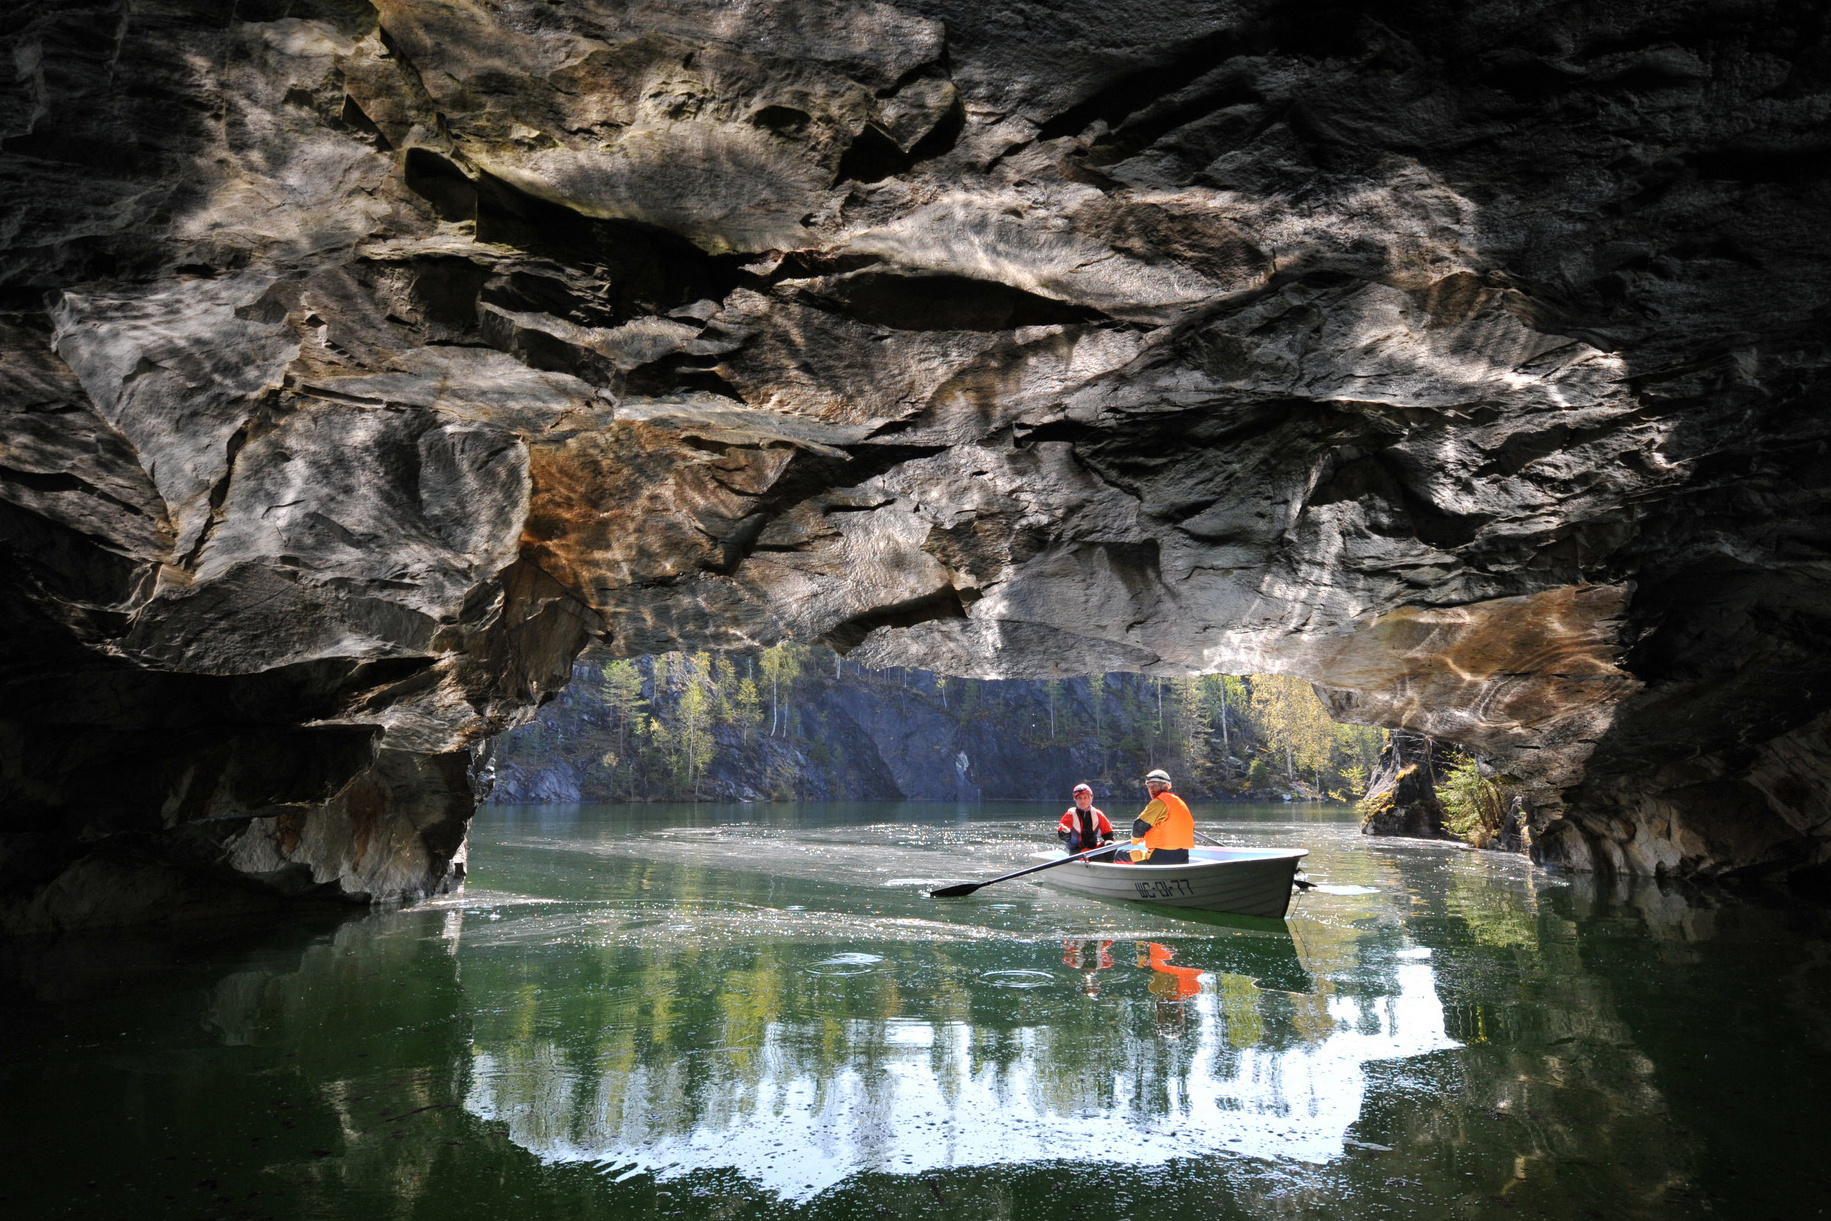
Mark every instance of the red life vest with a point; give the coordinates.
(1087, 829)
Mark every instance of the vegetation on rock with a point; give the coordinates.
(1474, 805)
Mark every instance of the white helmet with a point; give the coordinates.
(1158, 774)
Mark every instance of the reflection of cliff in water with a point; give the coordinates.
(1555, 1077)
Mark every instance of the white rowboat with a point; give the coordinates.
(1239, 881)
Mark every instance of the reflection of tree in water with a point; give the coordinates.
(1550, 1095)
(695, 1036)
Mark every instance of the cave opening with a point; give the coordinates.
(802, 723)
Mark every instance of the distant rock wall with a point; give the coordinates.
(362, 363)
(864, 735)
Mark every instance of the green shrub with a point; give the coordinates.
(1258, 776)
(1473, 805)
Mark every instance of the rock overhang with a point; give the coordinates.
(462, 337)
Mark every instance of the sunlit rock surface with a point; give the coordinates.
(363, 364)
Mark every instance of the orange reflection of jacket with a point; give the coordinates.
(1171, 823)
(1172, 983)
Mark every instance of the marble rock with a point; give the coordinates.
(362, 363)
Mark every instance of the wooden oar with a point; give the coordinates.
(967, 888)
(1299, 883)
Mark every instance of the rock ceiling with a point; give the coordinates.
(361, 365)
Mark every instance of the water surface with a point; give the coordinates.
(753, 1011)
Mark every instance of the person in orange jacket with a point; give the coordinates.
(1164, 831)
(1084, 826)
(1168, 982)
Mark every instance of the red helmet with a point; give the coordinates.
(1083, 788)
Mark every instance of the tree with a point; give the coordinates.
(1233, 692)
(746, 708)
(1293, 723)
(781, 667)
(620, 684)
(1190, 709)
(1052, 691)
(1474, 806)
(969, 699)
(694, 737)
(724, 689)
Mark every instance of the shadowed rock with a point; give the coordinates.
(1402, 794)
(359, 366)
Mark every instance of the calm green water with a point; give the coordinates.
(755, 1012)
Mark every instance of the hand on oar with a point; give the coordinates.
(967, 888)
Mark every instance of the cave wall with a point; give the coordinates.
(360, 364)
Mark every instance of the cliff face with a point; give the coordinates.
(844, 733)
(362, 363)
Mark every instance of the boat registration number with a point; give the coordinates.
(1178, 889)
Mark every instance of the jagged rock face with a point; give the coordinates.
(362, 364)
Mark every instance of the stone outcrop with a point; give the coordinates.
(1401, 797)
(361, 364)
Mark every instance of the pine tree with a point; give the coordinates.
(695, 734)
(620, 684)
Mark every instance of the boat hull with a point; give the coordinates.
(1238, 881)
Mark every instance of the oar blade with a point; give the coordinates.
(956, 891)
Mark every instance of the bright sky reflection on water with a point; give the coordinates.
(1197, 1060)
(922, 1104)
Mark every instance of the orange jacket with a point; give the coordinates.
(1171, 983)
(1168, 823)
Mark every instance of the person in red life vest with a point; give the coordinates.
(1090, 958)
(1164, 830)
(1081, 954)
(1084, 826)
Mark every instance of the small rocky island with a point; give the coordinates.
(363, 364)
